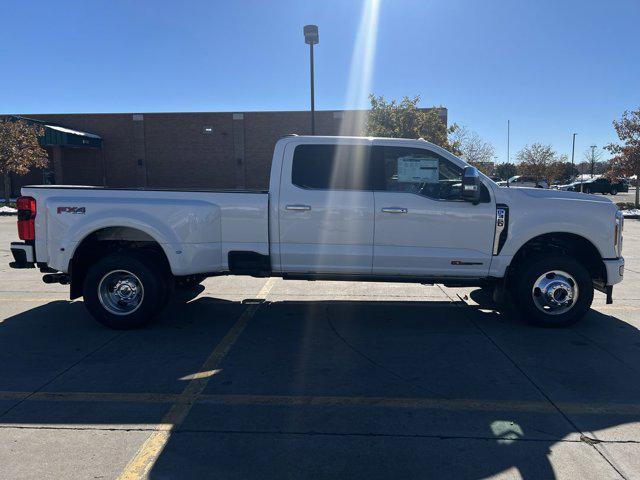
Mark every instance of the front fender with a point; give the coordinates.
(519, 239)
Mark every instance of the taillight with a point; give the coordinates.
(26, 218)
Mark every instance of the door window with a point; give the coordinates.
(417, 170)
(332, 167)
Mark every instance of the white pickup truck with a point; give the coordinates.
(338, 208)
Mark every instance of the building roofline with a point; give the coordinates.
(203, 111)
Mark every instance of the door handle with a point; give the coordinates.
(394, 210)
(299, 208)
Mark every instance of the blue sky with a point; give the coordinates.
(551, 67)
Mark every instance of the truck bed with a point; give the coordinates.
(196, 229)
(145, 189)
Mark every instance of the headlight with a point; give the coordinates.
(617, 233)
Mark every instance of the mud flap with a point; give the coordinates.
(609, 293)
(606, 289)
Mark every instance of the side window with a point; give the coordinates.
(332, 167)
(419, 171)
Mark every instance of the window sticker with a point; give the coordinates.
(418, 170)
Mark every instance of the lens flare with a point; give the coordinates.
(361, 71)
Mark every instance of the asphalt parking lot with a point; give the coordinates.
(262, 378)
(628, 197)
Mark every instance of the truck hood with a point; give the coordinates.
(504, 194)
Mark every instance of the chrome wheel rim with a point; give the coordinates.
(555, 292)
(120, 292)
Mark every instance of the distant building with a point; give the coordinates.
(200, 150)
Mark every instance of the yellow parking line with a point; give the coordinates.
(447, 404)
(93, 397)
(466, 405)
(148, 453)
(264, 291)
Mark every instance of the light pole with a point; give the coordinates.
(593, 159)
(573, 150)
(311, 38)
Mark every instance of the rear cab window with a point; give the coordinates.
(377, 168)
(332, 167)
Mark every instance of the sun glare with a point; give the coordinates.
(361, 70)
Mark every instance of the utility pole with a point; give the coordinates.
(311, 38)
(593, 159)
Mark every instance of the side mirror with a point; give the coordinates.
(471, 185)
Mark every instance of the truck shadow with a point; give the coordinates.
(466, 392)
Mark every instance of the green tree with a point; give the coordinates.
(626, 154)
(537, 161)
(562, 170)
(20, 150)
(505, 170)
(405, 119)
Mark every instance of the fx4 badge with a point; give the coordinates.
(74, 210)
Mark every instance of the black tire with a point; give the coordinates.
(536, 267)
(140, 269)
(614, 191)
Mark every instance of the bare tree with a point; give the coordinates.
(474, 150)
(592, 157)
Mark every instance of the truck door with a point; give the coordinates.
(325, 209)
(421, 225)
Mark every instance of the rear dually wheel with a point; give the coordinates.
(124, 290)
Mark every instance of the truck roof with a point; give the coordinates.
(347, 139)
(351, 137)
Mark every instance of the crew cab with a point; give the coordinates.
(337, 208)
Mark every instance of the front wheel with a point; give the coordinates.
(124, 291)
(614, 191)
(554, 291)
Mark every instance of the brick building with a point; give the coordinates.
(200, 150)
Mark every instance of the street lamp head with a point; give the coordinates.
(311, 34)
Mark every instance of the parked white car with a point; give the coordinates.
(526, 181)
(337, 208)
